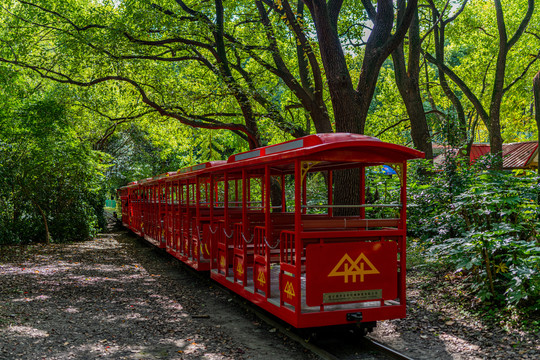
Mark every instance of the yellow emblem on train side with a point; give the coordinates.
(222, 261)
(289, 290)
(347, 267)
(239, 269)
(261, 278)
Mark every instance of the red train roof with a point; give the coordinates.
(201, 166)
(330, 141)
(332, 147)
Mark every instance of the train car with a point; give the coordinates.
(266, 225)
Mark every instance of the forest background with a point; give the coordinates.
(95, 94)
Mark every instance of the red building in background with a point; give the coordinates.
(520, 155)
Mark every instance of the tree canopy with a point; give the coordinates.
(160, 84)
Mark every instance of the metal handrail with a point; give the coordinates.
(271, 247)
(351, 206)
(250, 241)
(228, 236)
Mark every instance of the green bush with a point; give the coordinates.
(50, 181)
(484, 223)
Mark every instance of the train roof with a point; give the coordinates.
(164, 175)
(197, 168)
(328, 148)
(131, 184)
(344, 146)
(201, 166)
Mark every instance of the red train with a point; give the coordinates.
(264, 224)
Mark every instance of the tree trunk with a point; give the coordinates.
(439, 34)
(495, 138)
(536, 91)
(499, 90)
(342, 94)
(346, 191)
(45, 224)
(407, 80)
(239, 94)
(351, 105)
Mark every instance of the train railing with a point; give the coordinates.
(240, 260)
(287, 248)
(222, 248)
(261, 266)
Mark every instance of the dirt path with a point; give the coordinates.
(118, 298)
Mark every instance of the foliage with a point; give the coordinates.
(50, 182)
(485, 224)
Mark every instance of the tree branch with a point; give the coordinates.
(78, 28)
(523, 25)
(370, 9)
(520, 77)
(402, 29)
(65, 79)
(391, 126)
(461, 84)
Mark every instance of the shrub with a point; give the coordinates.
(484, 223)
(50, 181)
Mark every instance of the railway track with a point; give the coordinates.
(326, 345)
(392, 353)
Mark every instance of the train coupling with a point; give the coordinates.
(357, 316)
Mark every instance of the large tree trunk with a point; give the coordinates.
(536, 91)
(342, 94)
(407, 80)
(351, 105)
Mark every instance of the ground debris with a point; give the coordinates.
(116, 297)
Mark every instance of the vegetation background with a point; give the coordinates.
(95, 94)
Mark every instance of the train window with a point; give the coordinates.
(204, 192)
(220, 193)
(255, 194)
(191, 193)
(383, 190)
(317, 192)
(235, 193)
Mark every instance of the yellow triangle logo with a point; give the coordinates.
(347, 267)
(239, 269)
(289, 290)
(261, 278)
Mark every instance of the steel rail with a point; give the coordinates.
(379, 347)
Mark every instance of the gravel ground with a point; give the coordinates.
(438, 328)
(116, 297)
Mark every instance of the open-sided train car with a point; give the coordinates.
(266, 225)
